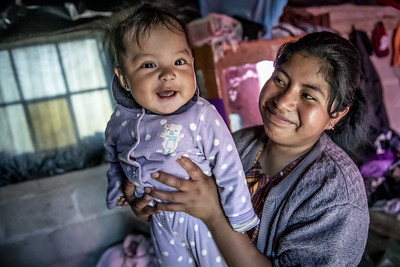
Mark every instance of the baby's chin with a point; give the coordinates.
(164, 111)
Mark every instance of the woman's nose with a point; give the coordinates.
(286, 100)
(167, 74)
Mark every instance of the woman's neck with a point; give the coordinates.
(276, 157)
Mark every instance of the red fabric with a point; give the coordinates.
(380, 40)
(393, 3)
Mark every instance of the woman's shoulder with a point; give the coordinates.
(334, 156)
(249, 134)
(336, 175)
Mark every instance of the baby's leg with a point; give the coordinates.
(182, 240)
(203, 245)
(170, 248)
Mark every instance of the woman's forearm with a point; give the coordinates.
(236, 248)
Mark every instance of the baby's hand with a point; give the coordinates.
(129, 191)
(122, 201)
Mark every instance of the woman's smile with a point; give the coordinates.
(277, 118)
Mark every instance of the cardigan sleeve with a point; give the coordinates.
(333, 237)
(325, 219)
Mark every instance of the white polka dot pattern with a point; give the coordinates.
(206, 129)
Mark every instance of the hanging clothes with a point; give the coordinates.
(396, 47)
(376, 119)
(380, 40)
(266, 12)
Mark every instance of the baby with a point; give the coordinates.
(160, 117)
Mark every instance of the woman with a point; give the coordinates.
(299, 165)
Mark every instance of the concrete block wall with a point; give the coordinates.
(61, 221)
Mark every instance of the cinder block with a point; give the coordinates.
(41, 212)
(91, 198)
(91, 235)
(35, 250)
(20, 190)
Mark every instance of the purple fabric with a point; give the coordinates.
(219, 105)
(378, 165)
(140, 143)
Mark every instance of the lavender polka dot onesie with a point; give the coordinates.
(140, 142)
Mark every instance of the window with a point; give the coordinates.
(54, 91)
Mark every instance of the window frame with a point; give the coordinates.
(57, 39)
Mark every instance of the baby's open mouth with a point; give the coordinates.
(166, 93)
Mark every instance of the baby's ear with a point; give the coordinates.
(121, 78)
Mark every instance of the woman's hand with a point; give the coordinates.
(198, 196)
(139, 206)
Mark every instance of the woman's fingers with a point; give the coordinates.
(141, 208)
(171, 207)
(170, 180)
(169, 196)
(197, 196)
(195, 173)
(191, 168)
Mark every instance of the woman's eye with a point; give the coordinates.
(279, 81)
(148, 65)
(180, 62)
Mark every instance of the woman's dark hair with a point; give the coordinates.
(340, 66)
(138, 23)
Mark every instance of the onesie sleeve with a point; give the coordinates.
(216, 142)
(115, 173)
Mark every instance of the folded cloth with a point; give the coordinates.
(216, 30)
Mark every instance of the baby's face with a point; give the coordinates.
(160, 72)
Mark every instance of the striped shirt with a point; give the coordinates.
(259, 184)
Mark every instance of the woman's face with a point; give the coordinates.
(293, 103)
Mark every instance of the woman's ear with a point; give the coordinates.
(336, 117)
(121, 78)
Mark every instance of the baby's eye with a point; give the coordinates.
(308, 97)
(180, 62)
(148, 65)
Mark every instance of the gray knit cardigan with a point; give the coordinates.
(318, 215)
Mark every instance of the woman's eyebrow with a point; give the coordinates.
(310, 86)
(315, 88)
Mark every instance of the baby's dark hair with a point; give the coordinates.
(340, 66)
(138, 23)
